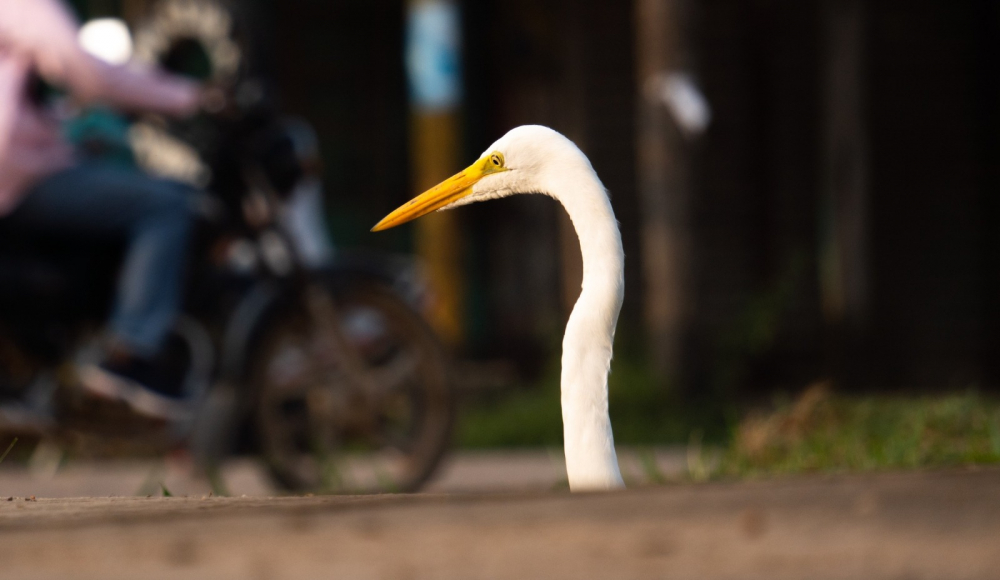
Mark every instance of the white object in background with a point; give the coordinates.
(207, 22)
(107, 39)
(685, 101)
(304, 221)
(433, 54)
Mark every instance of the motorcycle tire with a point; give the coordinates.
(320, 429)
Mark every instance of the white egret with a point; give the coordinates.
(535, 159)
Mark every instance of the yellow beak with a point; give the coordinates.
(450, 190)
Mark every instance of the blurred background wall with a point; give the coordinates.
(836, 217)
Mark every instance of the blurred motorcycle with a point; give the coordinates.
(323, 367)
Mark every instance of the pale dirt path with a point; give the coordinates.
(892, 526)
(461, 472)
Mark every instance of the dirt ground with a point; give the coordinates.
(943, 525)
(48, 475)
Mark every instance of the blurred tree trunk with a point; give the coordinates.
(844, 267)
(664, 184)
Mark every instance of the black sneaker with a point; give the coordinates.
(135, 382)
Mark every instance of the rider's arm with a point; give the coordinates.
(13, 71)
(47, 32)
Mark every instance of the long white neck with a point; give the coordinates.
(591, 462)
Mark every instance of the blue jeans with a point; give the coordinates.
(152, 215)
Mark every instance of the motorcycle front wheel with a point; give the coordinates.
(354, 393)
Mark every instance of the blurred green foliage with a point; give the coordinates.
(644, 411)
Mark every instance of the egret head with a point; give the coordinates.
(525, 160)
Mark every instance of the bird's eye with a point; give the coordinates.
(497, 160)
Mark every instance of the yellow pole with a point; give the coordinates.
(438, 236)
(433, 47)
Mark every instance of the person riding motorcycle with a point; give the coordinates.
(46, 188)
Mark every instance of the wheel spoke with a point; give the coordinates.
(388, 378)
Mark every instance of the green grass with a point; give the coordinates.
(820, 432)
(644, 411)
(824, 432)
